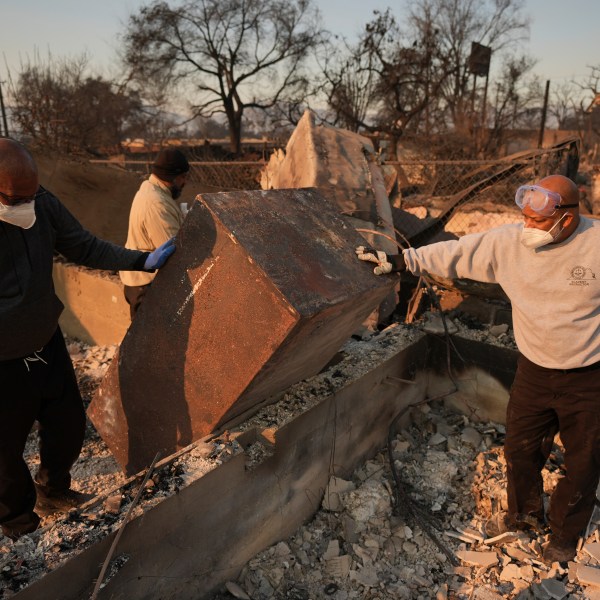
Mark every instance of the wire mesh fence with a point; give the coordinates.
(459, 196)
(217, 176)
(466, 196)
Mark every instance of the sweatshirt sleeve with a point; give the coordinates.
(81, 247)
(472, 256)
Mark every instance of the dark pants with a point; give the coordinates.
(42, 388)
(542, 403)
(134, 294)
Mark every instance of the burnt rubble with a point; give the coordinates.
(358, 545)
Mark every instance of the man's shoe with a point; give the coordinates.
(56, 502)
(557, 552)
(25, 523)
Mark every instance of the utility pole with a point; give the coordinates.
(544, 110)
(3, 110)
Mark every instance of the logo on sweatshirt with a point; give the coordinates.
(581, 275)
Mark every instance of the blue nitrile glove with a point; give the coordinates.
(159, 257)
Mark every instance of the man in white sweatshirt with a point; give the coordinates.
(547, 266)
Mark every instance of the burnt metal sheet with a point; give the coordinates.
(262, 291)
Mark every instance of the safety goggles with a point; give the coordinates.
(542, 201)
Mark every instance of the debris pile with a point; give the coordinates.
(359, 545)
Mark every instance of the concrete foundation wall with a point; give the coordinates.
(194, 541)
(190, 543)
(95, 309)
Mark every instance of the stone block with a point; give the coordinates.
(263, 290)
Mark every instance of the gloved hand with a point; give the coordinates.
(375, 256)
(159, 257)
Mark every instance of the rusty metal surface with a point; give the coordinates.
(262, 291)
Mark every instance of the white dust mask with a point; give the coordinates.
(21, 215)
(536, 238)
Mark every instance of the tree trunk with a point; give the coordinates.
(234, 119)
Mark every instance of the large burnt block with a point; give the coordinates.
(262, 291)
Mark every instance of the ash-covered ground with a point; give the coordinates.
(359, 544)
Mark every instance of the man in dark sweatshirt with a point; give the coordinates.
(37, 380)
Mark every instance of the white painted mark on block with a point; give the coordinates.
(197, 286)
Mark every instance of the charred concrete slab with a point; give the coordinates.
(344, 167)
(262, 291)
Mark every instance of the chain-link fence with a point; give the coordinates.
(465, 196)
(210, 176)
(458, 196)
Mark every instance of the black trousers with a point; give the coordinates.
(542, 403)
(42, 388)
(134, 294)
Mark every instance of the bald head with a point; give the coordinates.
(562, 185)
(18, 171)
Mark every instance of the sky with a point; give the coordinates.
(564, 35)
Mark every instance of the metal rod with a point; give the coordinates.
(121, 529)
(399, 380)
(3, 110)
(544, 109)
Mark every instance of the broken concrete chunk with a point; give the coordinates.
(497, 330)
(339, 566)
(503, 538)
(435, 325)
(400, 446)
(482, 593)
(460, 536)
(518, 554)
(363, 554)
(475, 535)
(349, 529)
(236, 591)
(593, 550)
(444, 428)
(588, 575)
(333, 550)
(113, 504)
(331, 498)
(478, 559)
(554, 588)
(436, 439)
(370, 500)
(471, 436)
(282, 549)
(344, 167)
(366, 576)
(510, 572)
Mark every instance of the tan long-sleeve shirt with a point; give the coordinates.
(154, 218)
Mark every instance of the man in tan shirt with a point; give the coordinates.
(155, 217)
